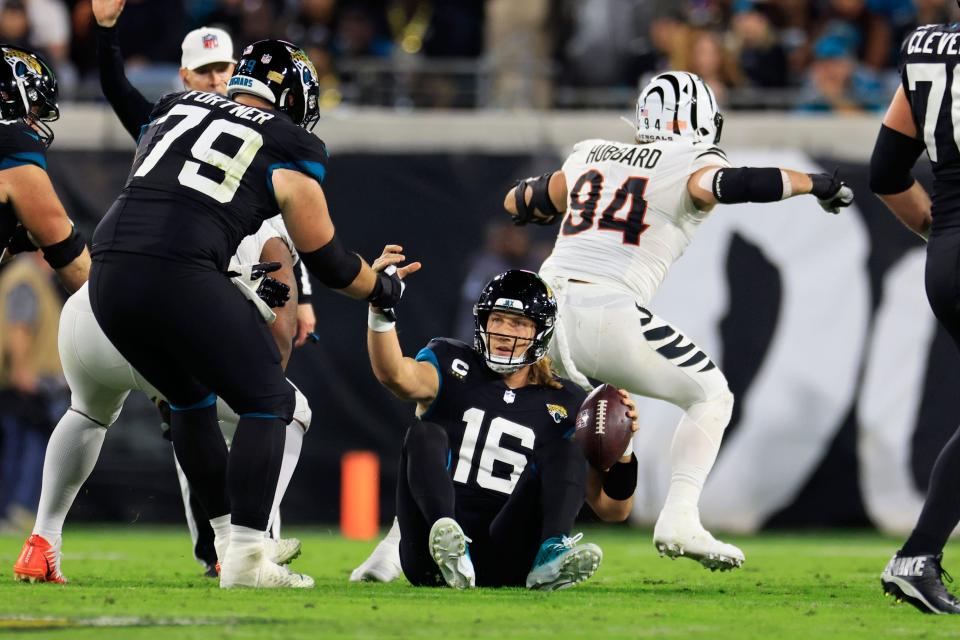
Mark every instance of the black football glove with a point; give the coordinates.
(831, 192)
(273, 292)
(20, 241)
(387, 292)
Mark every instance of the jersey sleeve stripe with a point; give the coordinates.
(427, 355)
(315, 170)
(20, 159)
(715, 151)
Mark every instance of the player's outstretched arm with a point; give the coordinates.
(37, 207)
(610, 493)
(407, 378)
(541, 200)
(128, 103)
(894, 154)
(305, 213)
(714, 185)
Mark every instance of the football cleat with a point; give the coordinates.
(919, 581)
(448, 548)
(680, 535)
(39, 561)
(383, 565)
(252, 568)
(282, 551)
(561, 563)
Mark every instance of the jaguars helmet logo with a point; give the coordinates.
(29, 62)
(557, 412)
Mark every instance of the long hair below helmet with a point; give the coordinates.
(523, 293)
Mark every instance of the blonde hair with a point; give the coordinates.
(542, 374)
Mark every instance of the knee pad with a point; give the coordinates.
(713, 413)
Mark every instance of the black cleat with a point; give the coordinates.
(919, 581)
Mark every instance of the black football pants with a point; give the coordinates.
(195, 337)
(941, 509)
(506, 535)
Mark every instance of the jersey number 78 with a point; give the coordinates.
(585, 208)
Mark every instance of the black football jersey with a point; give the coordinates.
(202, 179)
(928, 60)
(493, 430)
(19, 145)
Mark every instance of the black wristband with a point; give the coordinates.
(621, 481)
(62, 253)
(386, 290)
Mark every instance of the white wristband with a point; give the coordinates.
(378, 322)
(787, 185)
(629, 450)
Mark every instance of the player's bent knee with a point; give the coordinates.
(280, 405)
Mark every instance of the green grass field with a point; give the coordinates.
(140, 582)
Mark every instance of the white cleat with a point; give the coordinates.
(251, 568)
(383, 565)
(282, 551)
(448, 548)
(682, 536)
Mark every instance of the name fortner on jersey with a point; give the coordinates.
(629, 215)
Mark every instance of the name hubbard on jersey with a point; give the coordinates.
(627, 154)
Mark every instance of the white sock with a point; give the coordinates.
(72, 452)
(221, 535)
(245, 543)
(393, 536)
(291, 455)
(696, 443)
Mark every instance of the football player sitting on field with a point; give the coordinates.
(490, 479)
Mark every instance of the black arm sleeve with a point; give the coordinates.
(333, 265)
(748, 184)
(128, 103)
(894, 155)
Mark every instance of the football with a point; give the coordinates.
(603, 428)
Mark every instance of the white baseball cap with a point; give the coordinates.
(204, 46)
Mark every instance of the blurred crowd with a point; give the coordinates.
(820, 55)
(808, 54)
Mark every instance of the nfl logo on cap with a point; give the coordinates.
(210, 41)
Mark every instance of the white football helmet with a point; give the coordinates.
(677, 104)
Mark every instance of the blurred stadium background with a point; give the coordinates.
(434, 107)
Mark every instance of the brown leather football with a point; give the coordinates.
(603, 427)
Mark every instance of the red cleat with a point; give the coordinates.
(39, 561)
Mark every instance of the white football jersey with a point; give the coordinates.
(629, 214)
(250, 248)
